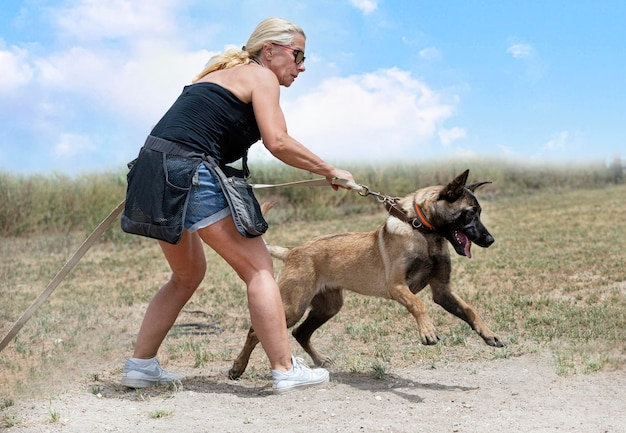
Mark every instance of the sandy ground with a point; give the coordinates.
(510, 395)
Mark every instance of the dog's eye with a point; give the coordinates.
(470, 214)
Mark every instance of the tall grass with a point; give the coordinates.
(57, 203)
(60, 203)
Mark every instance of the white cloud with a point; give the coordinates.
(116, 19)
(73, 144)
(385, 114)
(507, 151)
(431, 54)
(14, 68)
(520, 51)
(365, 6)
(136, 77)
(145, 86)
(535, 68)
(558, 141)
(75, 69)
(447, 136)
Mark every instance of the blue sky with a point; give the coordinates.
(83, 81)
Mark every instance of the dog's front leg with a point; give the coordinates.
(401, 293)
(452, 303)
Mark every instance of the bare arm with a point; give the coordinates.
(271, 121)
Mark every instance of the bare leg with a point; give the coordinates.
(186, 259)
(252, 262)
(250, 259)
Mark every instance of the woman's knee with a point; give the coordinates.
(261, 282)
(187, 261)
(189, 279)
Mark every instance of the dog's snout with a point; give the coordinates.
(487, 240)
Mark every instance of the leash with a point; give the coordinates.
(69, 265)
(99, 230)
(419, 223)
(344, 183)
(364, 191)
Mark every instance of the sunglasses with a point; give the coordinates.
(298, 55)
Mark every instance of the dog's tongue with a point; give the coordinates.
(468, 246)
(465, 243)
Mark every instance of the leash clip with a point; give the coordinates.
(364, 191)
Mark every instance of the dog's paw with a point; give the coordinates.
(430, 339)
(235, 373)
(324, 361)
(428, 333)
(494, 341)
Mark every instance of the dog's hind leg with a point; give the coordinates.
(324, 306)
(241, 362)
(452, 303)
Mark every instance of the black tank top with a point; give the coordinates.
(208, 118)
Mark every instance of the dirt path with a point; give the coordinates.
(510, 395)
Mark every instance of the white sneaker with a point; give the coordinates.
(300, 376)
(138, 377)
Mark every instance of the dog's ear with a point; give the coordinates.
(452, 191)
(473, 187)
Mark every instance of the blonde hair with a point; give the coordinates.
(276, 30)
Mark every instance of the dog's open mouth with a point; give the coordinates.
(463, 242)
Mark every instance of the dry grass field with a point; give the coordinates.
(553, 284)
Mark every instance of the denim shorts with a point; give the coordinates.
(207, 203)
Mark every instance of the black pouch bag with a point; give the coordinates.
(158, 193)
(244, 206)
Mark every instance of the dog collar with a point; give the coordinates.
(420, 223)
(420, 216)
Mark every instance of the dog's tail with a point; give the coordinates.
(276, 251)
(266, 206)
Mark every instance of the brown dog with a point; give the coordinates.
(395, 261)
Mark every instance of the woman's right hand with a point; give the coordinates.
(341, 174)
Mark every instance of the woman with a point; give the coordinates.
(231, 104)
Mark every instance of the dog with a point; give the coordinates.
(396, 261)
